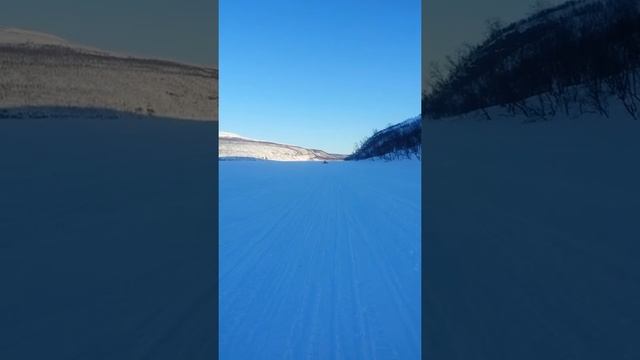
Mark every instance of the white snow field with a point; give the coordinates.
(319, 261)
(107, 238)
(532, 238)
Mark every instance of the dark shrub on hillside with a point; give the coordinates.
(591, 43)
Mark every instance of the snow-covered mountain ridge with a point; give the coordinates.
(41, 70)
(233, 147)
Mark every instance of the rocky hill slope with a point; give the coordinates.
(40, 70)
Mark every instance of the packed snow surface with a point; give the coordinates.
(319, 261)
(532, 237)
(107, 236)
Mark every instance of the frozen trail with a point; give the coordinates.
(107, 236)
(320, 261)
(531, 239)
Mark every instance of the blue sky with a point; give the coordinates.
(319, 74)
(179, 30)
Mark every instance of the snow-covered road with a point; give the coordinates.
(319, 261)
(107, 239)
(532, 239)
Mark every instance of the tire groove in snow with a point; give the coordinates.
(334, 258)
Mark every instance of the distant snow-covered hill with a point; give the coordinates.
(234, 147)
(41, 70)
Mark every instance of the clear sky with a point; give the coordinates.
(448, 24)
(319, 74)
(182, 30)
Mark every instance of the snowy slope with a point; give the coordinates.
(593, 43)
(106, 239)
(230, 135)
(44, 70)
(319, 261)
(233, 146)
(531, 237)
(400, 139)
